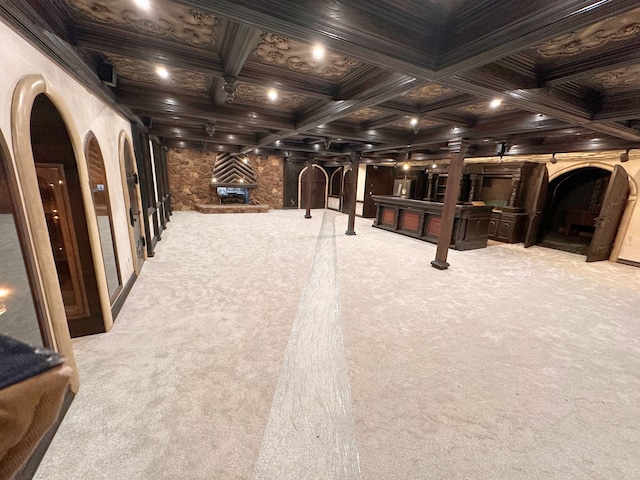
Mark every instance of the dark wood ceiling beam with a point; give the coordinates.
(154, 104)
(621, 107)
(100, 38)
(238, 42)
(373, 40)
(549, 19)
(331, 111)
(195, 134)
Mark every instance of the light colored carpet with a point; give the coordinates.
(512, 364)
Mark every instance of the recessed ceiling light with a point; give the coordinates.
(144, 4)
(277, 142)
(318, 52)
(162, 72)
(414, 122)
(495, 103)
(272, 94)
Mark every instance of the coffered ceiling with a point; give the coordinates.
(328, 78)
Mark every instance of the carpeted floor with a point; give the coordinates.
(267, 346)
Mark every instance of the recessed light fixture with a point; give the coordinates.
(278, 142)
(162, 72)
(318, 52)
(434, 165)
(144, 4)
(495, 103)
(414, 122)
(272, 94)
(405, 166)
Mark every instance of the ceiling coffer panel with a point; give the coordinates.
(259, 94)
(161, 19)
(233, 170)
(616, 29)
(143, 71)
(283, 52)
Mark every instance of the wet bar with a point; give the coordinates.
(421, 219)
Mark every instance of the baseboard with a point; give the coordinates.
(117, 305)
(628, 262)
(30, 468)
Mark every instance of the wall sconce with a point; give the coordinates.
(553, 159)
(624, 156)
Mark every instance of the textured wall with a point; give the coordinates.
(269, 172)
(190, 172)
(189, 175)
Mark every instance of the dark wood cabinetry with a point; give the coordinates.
(503, 186)
(420, 219)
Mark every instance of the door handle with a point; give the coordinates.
(132, 218)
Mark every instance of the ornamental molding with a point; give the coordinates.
(428, 92)
(619, 78)
(259, 94)
(283, 52)
(143, 71)
(614, 29)
(484, 108)
(363, 115)
(162, 19)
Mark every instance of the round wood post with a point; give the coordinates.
(355, 164)
(309, 187)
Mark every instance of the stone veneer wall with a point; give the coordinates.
(190, 172)
(269, 173)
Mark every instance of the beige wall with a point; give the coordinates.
(20, 66)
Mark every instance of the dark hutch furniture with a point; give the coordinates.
(503, 186)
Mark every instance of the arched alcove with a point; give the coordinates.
(102, 206)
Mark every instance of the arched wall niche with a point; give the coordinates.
(100, 192)
(628, 211)
(25, 93)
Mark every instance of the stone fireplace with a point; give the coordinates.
(230, 195)
(233, 179)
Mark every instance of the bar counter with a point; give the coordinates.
(421, 220)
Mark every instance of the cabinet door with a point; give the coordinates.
(493, 226)
(505, 227)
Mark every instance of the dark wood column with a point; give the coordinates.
(355, 164)
(309, 182)
(457, 149)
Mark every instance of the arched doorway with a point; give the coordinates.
(319, 190)
(583, 210)
(65, 212)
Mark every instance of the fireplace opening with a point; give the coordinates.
(230, 195)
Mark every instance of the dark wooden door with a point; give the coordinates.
(608, 221)
(318, 188)
(379, 181)
(134, 212)
(540, 182)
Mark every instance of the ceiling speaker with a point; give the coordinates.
(107, 74)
